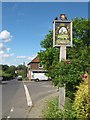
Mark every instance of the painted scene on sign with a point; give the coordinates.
(62, 33)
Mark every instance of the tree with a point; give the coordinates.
(69, 74)
(11, 70)
(81, 32)
(50, 54)
(20, 67)
(7, 72)
(4, 67)
(80, 49)
(22, 70)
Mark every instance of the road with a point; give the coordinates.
(15, 100)
(39, 90)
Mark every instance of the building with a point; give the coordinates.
(34, 66)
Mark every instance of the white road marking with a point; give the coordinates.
(29, 101)
(8, 117)
(12, 109)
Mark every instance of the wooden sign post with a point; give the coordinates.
(62, 55)
(62, 38)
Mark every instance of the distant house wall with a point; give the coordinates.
(34, 65)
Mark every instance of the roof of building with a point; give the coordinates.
(35, 60)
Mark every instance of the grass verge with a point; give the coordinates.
(52, 111)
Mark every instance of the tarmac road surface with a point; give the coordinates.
(18, 97)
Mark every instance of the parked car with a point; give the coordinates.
(19, 78)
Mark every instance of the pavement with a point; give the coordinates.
(37, 110)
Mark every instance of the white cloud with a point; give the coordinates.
(26, 57)
(30, 58)
(21, 57)
(5, 55)
(5, 36)
(3, 51)
(4, 48)
(8, 49)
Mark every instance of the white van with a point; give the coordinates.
(39, 76)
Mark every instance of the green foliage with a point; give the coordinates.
(50, 55)
(73, 110)
(21, 73)
(68, 74)
(53, 112)
(81, 103)
(4, 67)
(20, 67)
(22, 70)
(11, 70)
(7, 76)
(7, 72)
(0, 72)
(80, 54)
(48, 41)
(52, 109)
(81, 30)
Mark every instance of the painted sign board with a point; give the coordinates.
(62, 33)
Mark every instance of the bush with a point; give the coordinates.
(52, 109)
(22, 73)
(68, 74)
(7, 76)
(81, 104)
(53, 112)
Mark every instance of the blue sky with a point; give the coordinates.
(25, 24)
